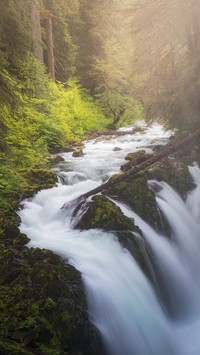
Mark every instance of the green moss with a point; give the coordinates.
(172, 171)
(104, 214)
(15, 185)
(37, 179)
(135, 192)
(49, 304)
(10, 190)
(12, 348)
(42, 303)
(46, 350)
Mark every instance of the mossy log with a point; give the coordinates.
(142, 166)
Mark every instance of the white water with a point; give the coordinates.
(121, 301)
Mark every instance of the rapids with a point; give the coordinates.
(131, 317)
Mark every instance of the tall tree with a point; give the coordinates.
(59, 21)
(50, 45)
(166, 55)
(37, 32)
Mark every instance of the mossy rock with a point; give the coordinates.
(135, 158)
(78, 153)
(42, 305)
(104, 214)
(138, 157)
(9, 347)
(189, 154)
(172, 171)
(16, 185)
(135, 192)
(10, 191)
(36, 180)
(56, 159)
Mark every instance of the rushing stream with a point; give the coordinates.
(122, 303)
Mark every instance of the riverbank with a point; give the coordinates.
(35, 316)
(42, 303)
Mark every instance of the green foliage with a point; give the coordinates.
(75, 111)
(45, 116)
(122, 109)
(15, 185)
(10, 189)
(42, 304)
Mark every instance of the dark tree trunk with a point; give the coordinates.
(50, 51)
(37, 33)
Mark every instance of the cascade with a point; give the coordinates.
(122, 303)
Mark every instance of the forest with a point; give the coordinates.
(70, 68)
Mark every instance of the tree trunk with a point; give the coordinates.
(37, 33)
(50, 51)
(144, 165)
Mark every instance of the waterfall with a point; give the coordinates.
(122, 303)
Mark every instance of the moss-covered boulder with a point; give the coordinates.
(135, 158)
(78, 153)
(135, 192)
(37, 179)
(42, 305)
(104, 214)
(172, 171)
(16, 185)
(10, 192)
(138, 157)
(56, 159)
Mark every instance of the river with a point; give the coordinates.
(122, 303)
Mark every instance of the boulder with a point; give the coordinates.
(135, 159)
(104, 214)
(78, 153)
(101, 213)
(42, 304)
(116, 149)
(57, 159)
(135, 192)
(172, 171)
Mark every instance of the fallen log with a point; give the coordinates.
(147, 163)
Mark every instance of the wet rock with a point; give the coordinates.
(42, 305)
(78, 153)
(56, 159)
(36, 180)
(172, 171)
(136, 193)
(138, 129)
(116, 149)
(68, 149)
(138, 157)
(135, 158)
(104, 214)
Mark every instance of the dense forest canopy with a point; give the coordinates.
(67, 67)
